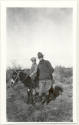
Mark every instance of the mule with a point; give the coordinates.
(20, 75)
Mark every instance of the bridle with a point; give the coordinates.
(17, 76)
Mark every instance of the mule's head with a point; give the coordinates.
(58, 91)
(15, 77)
(59, 88)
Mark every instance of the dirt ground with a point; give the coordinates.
(59, 110)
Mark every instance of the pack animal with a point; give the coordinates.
(20, 75)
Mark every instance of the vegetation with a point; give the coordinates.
(59, 110)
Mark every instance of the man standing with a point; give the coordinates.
(45, 70)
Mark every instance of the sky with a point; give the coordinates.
(33, 30)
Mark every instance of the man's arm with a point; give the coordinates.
(51, 69)
(35, 71)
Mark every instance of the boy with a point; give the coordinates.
(33, 74)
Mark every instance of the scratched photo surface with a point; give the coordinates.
(29, 31)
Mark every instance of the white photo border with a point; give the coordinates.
(54, 4)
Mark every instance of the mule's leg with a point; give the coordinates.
(34, 92)
(28, 96)
(31, 97)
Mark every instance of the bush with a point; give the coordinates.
(62, 73)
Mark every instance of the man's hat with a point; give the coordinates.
(33, 59)
(40, 55)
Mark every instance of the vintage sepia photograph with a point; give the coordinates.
(39, 64)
